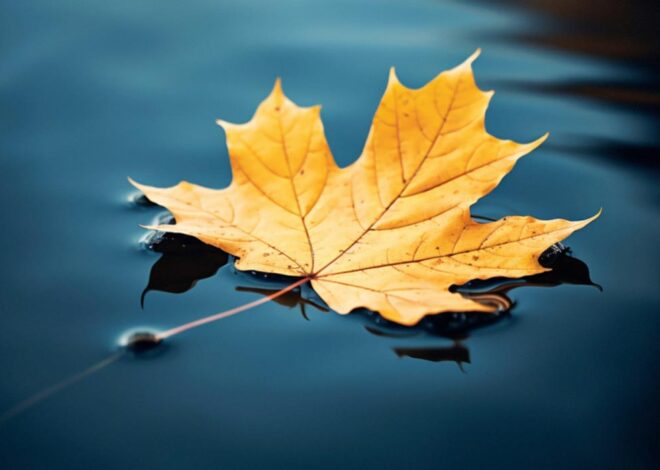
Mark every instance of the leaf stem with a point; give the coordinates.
(230, 312)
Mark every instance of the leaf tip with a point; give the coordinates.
(473, 56)
(227, 126)
(584, 222)
(392, 78)
(316, 109)
(277, 87)
(536, 143)
(466, 65)
(135, 184)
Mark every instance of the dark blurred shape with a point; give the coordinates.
(641, 155)
(456, 353)
(184, 261)
(623, 31)
(614, 31)
(617, 31)
(637, 94)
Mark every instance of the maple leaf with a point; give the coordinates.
(392, 232)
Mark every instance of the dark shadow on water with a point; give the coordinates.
(639, 96)
(186, 260)
(625, 32)
(457, 353)
(644, 156)
(621, 34)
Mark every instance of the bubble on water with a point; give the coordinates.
(140, 340)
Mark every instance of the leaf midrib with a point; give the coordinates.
(405, 186)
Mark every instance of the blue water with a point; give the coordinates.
(92, 92)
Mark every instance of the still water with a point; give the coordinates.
(93, 91)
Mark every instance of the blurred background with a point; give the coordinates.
(92, 92)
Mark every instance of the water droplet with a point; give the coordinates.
(140, 341)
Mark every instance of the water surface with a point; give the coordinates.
(93, 92)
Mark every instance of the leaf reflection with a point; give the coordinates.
(457, 353)
(290, 299)
(186, 260)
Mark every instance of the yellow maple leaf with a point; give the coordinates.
(391, 232)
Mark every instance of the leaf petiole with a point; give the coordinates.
(228, 313)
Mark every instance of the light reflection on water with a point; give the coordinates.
(95, 91)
